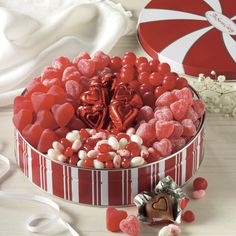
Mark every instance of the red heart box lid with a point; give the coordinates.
(193, 36)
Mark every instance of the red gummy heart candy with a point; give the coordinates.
(42, 101)
(35, 86)
(58, 93)
(46, 119)
(22, 118)
(63, 113)
(130, 226)
(114, 217)
(21, 102)
(46, 140)
(32, 133)
(62, 132)
(76, 123)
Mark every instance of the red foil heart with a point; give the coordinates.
(122, 114)
(95, 95)
(124, 107)
(93, 116)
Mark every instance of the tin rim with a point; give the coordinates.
(201, 126)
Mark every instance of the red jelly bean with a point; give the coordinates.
(68, 152)
(149, 99)
(122, 135)
(169, 82)
(84, 134)
(87, 148)
(125, 163)
(164, 68)
(73, 160)
(181, 83)
(188, 216)
(109, 165)
(145, 88)
(159, 91)
(135, 152)
(154, 64)
(66, 143)
(144, 67)
(104, 147)
(115, 63)
(143, 78)
(131, 145)
(200, 184)
(103, 157)
(156, 78)
(141, 60)
(88, 163)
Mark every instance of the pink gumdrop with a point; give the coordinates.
(179, 109)
(189, 128)
(152, 121)
(147, 132)
(198, 194)
(185, 94)
(163, 113)
(164, 129)
(164, 147)
(145, 113)
(86, 67)
(178, 130)
(73, 89)
(199, 107)
(165, 99)
(191, 114)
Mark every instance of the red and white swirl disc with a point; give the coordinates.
(193, 36)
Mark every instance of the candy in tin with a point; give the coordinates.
(166, 202)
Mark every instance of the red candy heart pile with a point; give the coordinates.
(104, 112)
(118, 220)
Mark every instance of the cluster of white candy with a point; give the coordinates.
(219, 95)
(116, 154)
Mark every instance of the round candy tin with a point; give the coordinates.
(193, 36)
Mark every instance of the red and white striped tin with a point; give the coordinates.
(193, 36)
(106, 187)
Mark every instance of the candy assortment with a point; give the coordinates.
(104, 112)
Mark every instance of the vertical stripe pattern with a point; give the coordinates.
(103, 187)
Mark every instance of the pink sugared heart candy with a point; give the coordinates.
(130, 226)
(113, 218)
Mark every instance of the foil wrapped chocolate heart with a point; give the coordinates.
(166, 202)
